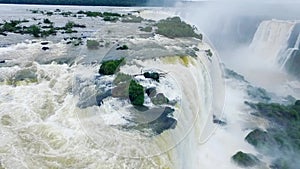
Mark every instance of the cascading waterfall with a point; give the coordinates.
(277, 41)
(39, 118)
(48, 122)
(271, 38)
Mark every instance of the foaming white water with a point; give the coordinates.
(262, 60)
(270, 38)
(229, 139)
(42, 128)
(284, 58)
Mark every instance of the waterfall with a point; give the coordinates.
(271, 39)
(277, 41)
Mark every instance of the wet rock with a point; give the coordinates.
(160, 99)
(102, 96)
(3, 34)
(26, 74)
(218, 121)
(44, 43)
(45, 48)
(145, 121)
(164, 122)
(2, 61)
(259, 138)
(151, 92)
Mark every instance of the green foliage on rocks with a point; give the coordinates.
(34, 30)
(283, 134)
(245, 159)
(175, 28)
(136, 93)
(110, 67)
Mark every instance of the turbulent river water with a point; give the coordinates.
(42, 126)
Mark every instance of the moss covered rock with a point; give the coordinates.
(245, 159)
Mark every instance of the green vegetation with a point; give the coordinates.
(136, 93)
(110, 67)
(284, 133)
(90, 13)
(107, 16)
(51, 31)
(245, 159)
(146, 29)
(257, 138)
(111, 14)
(34, 30)
(92, 44)
(152, 75)
(175, 28)
(110, 18)
(11, 26)
(132, 19)
(123, 47)
(69, 25)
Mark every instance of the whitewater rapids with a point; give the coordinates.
(42, 127)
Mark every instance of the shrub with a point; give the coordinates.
(92, 44)
(69, 25)
(136, 93)
(147, 29)
(34, 30)
(132, 19)
(174, 27)
(111, 14)
(90, 13)
(10, 26)
(110, 67)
